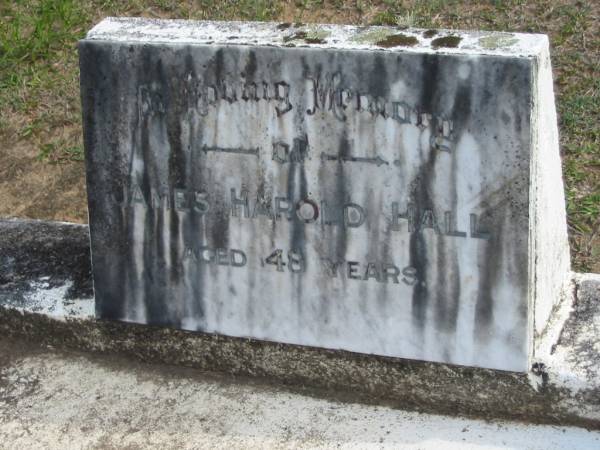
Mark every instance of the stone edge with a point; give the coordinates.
(325, 36)
(403, 384)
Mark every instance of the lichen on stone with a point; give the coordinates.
(298, 35)
(311, 36)
(371, 36)
(316, 36)
(497, 41)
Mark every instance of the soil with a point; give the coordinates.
(34, 189)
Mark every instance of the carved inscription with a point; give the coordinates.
(326, 94)
(243, 205)
(238, 150)
(377, 160)
(377, 271)
(206, 96)
(329, 93)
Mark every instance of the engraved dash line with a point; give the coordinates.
(235, 150)
(377, 160)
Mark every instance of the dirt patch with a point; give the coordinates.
(30, 188)
(15, 386)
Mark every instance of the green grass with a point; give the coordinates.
(385, 18)
(37, 62)
(30, 32)
(60, 151)
(39, 96)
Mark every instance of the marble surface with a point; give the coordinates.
(369, 199)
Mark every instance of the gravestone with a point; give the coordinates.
(383, 191)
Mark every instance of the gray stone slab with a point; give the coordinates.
(324, 186)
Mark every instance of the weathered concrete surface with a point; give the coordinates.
(571, 352)
(51, 258)
(359, 189)
(68, 400)
(566, 390)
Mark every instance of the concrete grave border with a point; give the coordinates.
(46, 297)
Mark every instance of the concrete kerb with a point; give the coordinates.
(45, 297)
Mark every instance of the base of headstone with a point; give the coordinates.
(45, 297)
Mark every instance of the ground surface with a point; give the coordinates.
(70, 400)
(41, 168)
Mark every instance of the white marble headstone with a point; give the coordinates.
(383, 191)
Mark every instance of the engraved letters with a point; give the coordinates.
(324, 94)
(386, 273)
(308, 211)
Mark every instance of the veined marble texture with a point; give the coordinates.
(370, 200)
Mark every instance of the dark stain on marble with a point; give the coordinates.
(250, 67)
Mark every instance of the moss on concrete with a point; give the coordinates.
(398, 40)
(446, 41)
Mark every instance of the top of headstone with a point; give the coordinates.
(381, 38)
